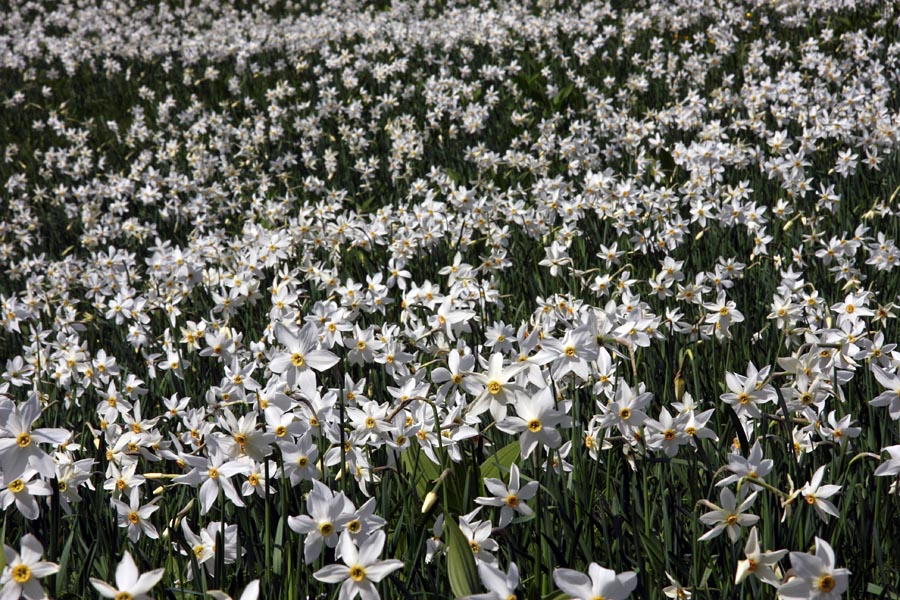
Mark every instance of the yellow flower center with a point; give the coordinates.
(570, 351)
(213, 472)
(357, 573)
(475, 546)
(133, 518)
(302, 461)
(253, 479)
(23, 440)
(326, 528)
(535, 425)
(361, 345)
(240, 438)
(669, 435)
(297, 360)
(731, 520)
(370, 423)
(743, 398)
(198, 550)
(826, 583)
(21, 573)
(512, 501)
(280, 431)
(354, 526)
(625, 414)
(494, 387)
(810, 499)
(457, 379)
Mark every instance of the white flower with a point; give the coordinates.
(890, 397)
(815, 576)
(758, 563)
(328, 514)
(130, 584)
(251, 592)
(303, 353)
(729, 517)
(135, 517)
(815, 495)
(511, 498)
(891, 466)
(23, 569)
(602, 583)
(500, 585)
(536, 421)
(361, 569)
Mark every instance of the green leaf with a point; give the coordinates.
(416, 464)
(277, 553)
(877, 590)
(498, 464)
(561, 96)
(3, 541)
(464, 580)
(62, 574)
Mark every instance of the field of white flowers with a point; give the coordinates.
(426, 299)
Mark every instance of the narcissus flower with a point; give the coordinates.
(729, 517)
(510, 498)
(758, 564)
(130, 583)
(815, 576)
(536, 421)
(23, 569)
(361, 569)
(599, 583)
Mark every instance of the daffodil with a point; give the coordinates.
(815, 576)
(510, 498)
(757, 563)
(23, 570)
(598, 583)
(130, 583)
(729, 517)
(362, 568)
(536, 422)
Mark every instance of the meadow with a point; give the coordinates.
(414, 299)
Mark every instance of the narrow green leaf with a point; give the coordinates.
(62, 574)
(497, 465)
(464, 580)
(277, 553)
(877, 590)
(415, 463)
